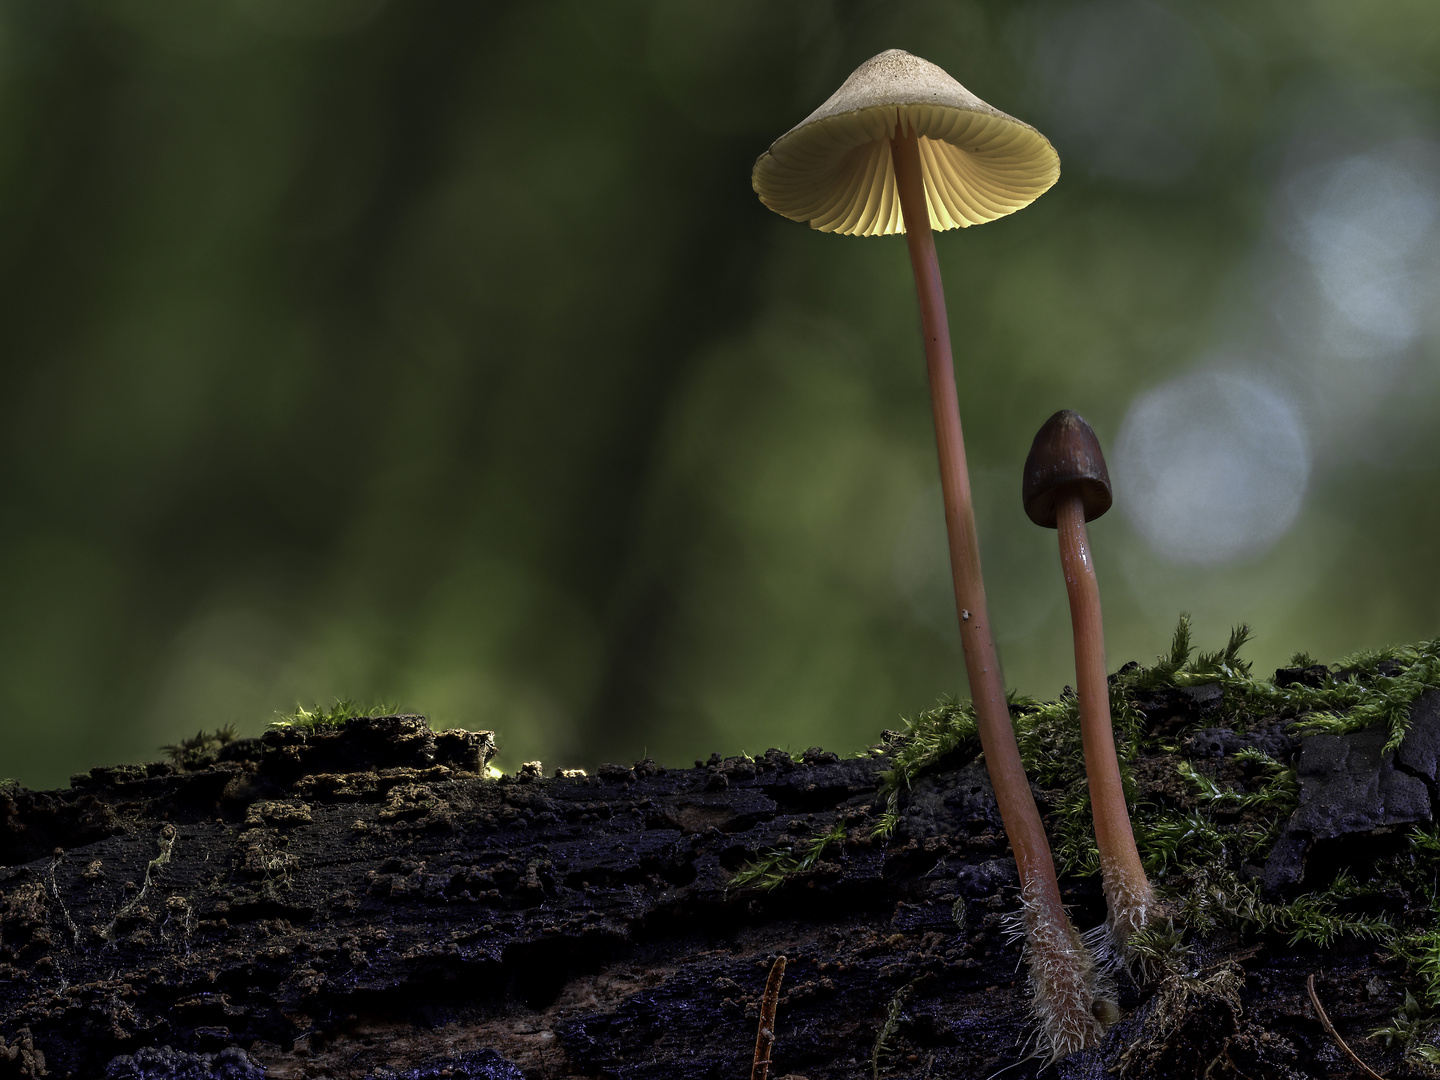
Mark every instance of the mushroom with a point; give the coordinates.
(1066, 484)
(903, 147)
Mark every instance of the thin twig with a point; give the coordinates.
(765, 1037)
(1324, 1019)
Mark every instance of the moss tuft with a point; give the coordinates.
(201, 749)
(317, 718)
(1205, 825)
(934, 734)
(771, 870)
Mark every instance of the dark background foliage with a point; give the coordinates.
(438, 352)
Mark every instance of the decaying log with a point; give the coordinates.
(366, 902)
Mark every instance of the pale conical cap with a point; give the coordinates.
(833, 169)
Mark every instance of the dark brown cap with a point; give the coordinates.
(1065, 452)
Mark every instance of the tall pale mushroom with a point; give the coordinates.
(902, 147)
(1065, 485)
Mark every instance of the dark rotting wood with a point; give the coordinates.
(366, 903)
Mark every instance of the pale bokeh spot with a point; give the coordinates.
(1211, 467)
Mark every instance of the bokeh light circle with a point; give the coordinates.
(1211, 467)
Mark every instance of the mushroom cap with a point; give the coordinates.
(833, 169)
(1065, 452)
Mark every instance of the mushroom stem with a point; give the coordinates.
(1128, 895)
(1059, 967)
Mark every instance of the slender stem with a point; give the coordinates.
(765, 1035)
(987, 690)
(1127, 889)
(1058, 961)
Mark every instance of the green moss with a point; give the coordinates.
(1420, 949)
(934, 734)
(771, 870)
(317, 718)
(200, 749)
(1158, 947)
(1277, 795)
(1414, 1028)
(1176, 668)
(1171, 842)
(1217, 898)
(894, 1014)
(1203, 826)
(203, 748)
(1376, 687)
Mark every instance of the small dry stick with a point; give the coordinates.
(765, 1037)
(1324, 1019)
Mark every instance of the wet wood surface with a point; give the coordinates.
(366, 902)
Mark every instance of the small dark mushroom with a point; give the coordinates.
(1066, 484)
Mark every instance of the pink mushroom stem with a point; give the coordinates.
(1128, 895)
(1059, 965)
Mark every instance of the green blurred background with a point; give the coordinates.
(440, 352)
